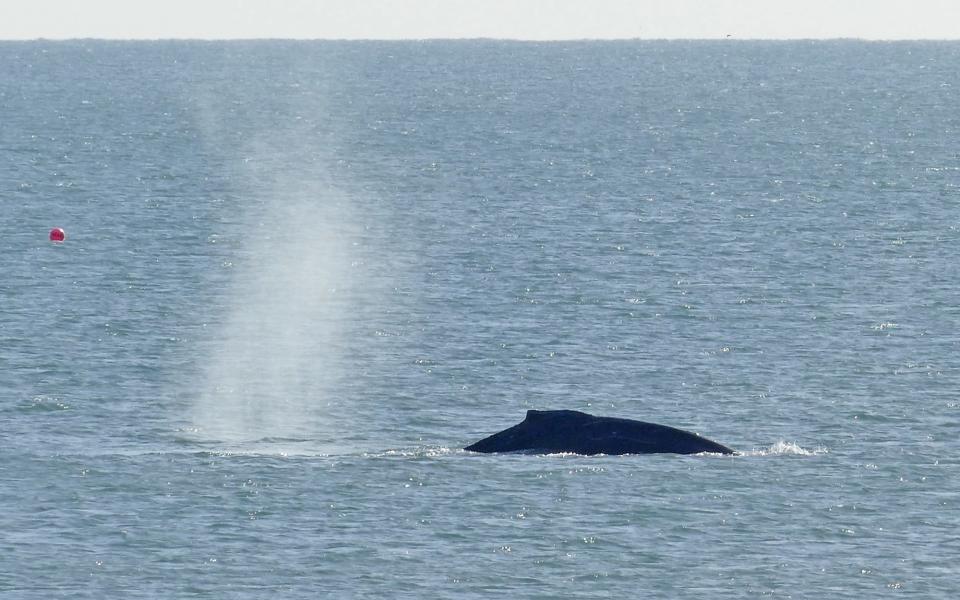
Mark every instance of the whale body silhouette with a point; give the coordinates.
(553, 431)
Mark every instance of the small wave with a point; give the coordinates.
(783, 448)
(266, 453)
(280, 440)
(320, 451)
(283, 451)
(269, 446)
(421, 452)
(44, 404)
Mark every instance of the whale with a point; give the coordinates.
(571, 431)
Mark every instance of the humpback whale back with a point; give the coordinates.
(550, 431)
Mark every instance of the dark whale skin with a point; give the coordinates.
(555, 431)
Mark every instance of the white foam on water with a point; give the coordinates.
(782, 448)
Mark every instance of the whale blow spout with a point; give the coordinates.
(552, 431)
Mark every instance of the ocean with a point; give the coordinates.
(299, 277)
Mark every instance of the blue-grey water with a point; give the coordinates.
(300, 277)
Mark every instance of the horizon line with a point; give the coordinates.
(728, 38)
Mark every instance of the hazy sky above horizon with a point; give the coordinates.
(514, 19)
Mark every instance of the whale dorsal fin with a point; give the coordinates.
(533, 415)
(540, 415)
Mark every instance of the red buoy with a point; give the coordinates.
(57, 234)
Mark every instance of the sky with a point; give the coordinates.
(510, 19)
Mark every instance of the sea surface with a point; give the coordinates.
(299, 277)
